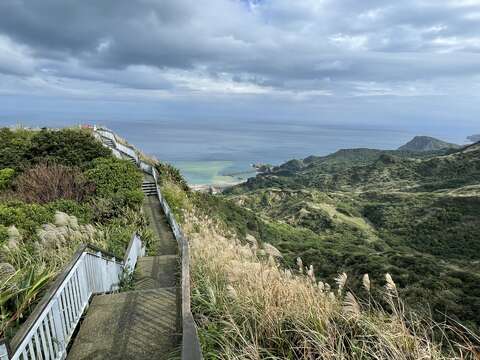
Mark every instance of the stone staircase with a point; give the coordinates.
(149, 187)
(142, 323)
(108, 142)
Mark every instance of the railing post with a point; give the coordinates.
(4, 350)
(113, 274)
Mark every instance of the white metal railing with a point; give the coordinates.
(53, 322)
(127, 150)
(134, 251)
(119, 148)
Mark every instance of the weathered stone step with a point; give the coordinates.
(131, 325)
(156, 272)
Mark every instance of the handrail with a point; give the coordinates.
(49, 328)
(191, 349)
(118, 146)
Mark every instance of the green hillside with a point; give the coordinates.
(414, 215)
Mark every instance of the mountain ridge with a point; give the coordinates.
(427, 143)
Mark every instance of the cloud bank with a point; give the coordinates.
(291, 50)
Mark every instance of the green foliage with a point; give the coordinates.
(3, 234)
(82, 211)
(15, 148)
(169, 173)
(113, 207)
(17, 294)
(414, 215)
(73, 147)
(112, 176)
(27, 217)
(118, 181)
(6, 177)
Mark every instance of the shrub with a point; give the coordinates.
(14, 149)
(82, 211)
(73, 147)
(6, 177)
(45, 183)
(3, 234)
(112, 176)
(24, 216)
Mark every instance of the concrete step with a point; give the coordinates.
(156, 272)
(131, 325)
(108, 142)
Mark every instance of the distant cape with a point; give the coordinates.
(427, 143)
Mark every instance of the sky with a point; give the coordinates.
(396, 64)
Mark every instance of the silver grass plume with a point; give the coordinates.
(366, 282)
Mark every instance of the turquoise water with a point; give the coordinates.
(214, 172)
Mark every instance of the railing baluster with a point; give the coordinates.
(49, 338)
(37, 345)
(31, 351)
(68, 290)
(76, 294)
(44, 343)
(53, 332)
(60, 331)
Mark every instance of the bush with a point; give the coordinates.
(3, 234)
(83, 212)
(6, 177)
(45, 183)
(112, 176)
(14, 149)
(71, 147)
(24, 216)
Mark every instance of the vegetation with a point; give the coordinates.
(53, 186)
(360, 211)
(427, 143)
(250, 304)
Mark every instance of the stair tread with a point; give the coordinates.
(156, 272)
(130, 325)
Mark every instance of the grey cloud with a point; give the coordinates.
(285, 45)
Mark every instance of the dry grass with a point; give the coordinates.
(248, 307)
(27, 267)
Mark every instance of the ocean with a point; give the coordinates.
(221, 152)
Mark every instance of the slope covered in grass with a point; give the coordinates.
(250, 304)
(415, 216)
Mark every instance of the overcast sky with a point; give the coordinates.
(398, 63)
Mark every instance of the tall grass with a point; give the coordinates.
(248, 307)
(27, 266)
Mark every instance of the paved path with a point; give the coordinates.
(143, 323)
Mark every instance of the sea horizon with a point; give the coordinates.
(214, 153)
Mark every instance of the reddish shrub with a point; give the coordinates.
(49, 182)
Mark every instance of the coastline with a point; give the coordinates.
(214, 188)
